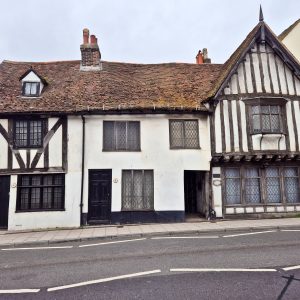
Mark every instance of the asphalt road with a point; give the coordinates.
(231, 266)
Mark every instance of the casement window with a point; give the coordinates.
(31, 89)
(28, 133)
(252, 185)
(281, 185)
(137, 190)
(233, 185)
(184, 134)
(266, 119)
(121, 136)
(40, 192)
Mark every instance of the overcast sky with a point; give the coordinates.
(143, 31)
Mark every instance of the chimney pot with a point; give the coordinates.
(199, 58)
(86, 35)
(206, 60)
(93, 39)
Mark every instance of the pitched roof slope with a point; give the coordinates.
(284, 33)
(117, 86)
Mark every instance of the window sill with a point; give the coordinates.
(39, 210)
(27, 148)
(137, 210)
(198, 148)
(268, 133)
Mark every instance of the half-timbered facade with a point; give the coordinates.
(256, 129)
(90, 141)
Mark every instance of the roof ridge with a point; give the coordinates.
(39, 62)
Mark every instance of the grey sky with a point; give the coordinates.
(143, 31)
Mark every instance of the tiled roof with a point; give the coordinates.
(118, 86)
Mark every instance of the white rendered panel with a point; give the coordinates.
(218, 133)
(264, 61)
(241, 78)
(291, 131)
(273, 71)
(297, 117)
(235, 126)
(3, 146)
(55, 146)
(281, 75)
(226, 125)
(244, 126)
(256, 72)
(248, 74)
(289, 77)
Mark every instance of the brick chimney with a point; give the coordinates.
(90, 53)
(202, 57)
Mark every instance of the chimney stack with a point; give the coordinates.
(202, 57)
(90, 53)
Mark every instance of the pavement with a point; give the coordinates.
(46, 237)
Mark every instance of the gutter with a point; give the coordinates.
(82, 169)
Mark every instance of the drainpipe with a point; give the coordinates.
(82, 168)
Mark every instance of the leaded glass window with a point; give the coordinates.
(121, 136)
(291, 185)
(232, 185)
(40, 192)
(272, 185)
(137, 190)
(184, 134)
(252, 185)
(28, 133)
(266, 119)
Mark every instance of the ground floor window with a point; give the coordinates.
(261, 185)
(137, 190)
(41, 192)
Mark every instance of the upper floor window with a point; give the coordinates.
(31, 89)
(28, 133)
(266, 119)
(121, 136)
(184, 134)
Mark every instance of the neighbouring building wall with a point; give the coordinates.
(291, 41)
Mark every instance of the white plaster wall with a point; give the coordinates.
(55, 145)
(217, 192)
(168, 165)
(3, 146)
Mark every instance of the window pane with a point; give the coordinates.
(58, 198)
(36, 180)
(274, 109)
(265, 109)
(291, 184)
(273, 185)
(47, 198)
(24, 201)
(35, 133)
(176, 132)
(126, 189)
(108, 135)
(133, 136)
(232, 186)
(34, 90)
(148, 190)
(252, 185)
(256, 123)
(266, 126)
(47, 180)
(21, 133)
(191, 134)
(275, 123)
(27, 88)
(25, 180)
(120, 135)
(35, 198)
(255, 110)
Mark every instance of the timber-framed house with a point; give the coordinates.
(95, 142)
(255, 129)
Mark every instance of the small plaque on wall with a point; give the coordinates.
(217, 182)
(115, 180)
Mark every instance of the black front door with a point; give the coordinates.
(99, 196)
(4, 200)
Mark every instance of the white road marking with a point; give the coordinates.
(248, 233)
(291, 268)
(185, 237)
(221, 270)
(290, 230)
(102, 280)
(37, 248)
(115, 242)
(19, 291)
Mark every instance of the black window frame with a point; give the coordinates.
(262, 130)
(37, 94)
(42, 186)
(115, 143)
(132, 189)
(29, 144)
(185, 146)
